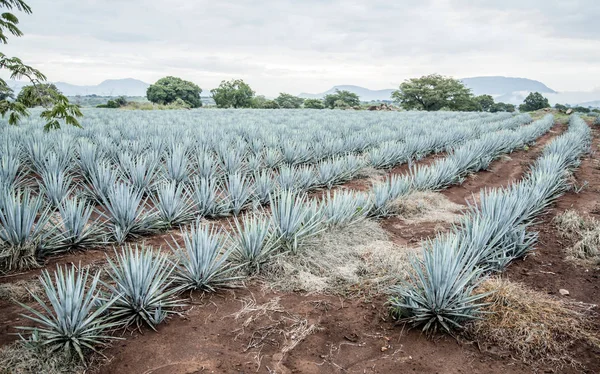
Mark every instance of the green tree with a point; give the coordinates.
(562, 108)
(502, 107)
(433, 92)
(534, 101)
(39, 95)
(287, 101)
(168, 89)
(261, 102)
(485, 102)
(233, 94)
(314, 104)
(341, 99)
(61, 110)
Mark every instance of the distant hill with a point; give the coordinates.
(365, 94)
(498, 86)
(110, 87)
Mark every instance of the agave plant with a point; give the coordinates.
(254, 241)
(100, 181)
(74, 319)
(9, 172)
(205, 193)
(126, 213)
(25, 229)
(384, 193)
(440, 292)
(140, 170)
(202, 262)
(77, 228)
(294, 220)
(343, 208)
(264, 185)
(173, 203)
(177, 164)
(140, 287)
(239, 192)
(56, 186)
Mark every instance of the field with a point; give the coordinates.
(299, 241)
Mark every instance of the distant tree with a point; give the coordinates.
(270, 104)
(562, 108)
(168, 89)
(485, 102)
(341, 99)
(314, 104)
(287, 101)
(433, 92)
(581, 109)
(38, 95)
(233, 94)
(534, 101)
(502, 107)
(59, 110)
(596, 110)
(115, 103)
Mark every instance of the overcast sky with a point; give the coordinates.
(311, 45)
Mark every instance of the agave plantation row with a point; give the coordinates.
(134, 174)
(144, 283)
(441, 292)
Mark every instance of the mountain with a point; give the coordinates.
(365, 94)
(110, 87)
(498, 86)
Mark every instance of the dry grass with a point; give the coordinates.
(426, 207)
(19, 358)
(17, 291)
(371, 173)
(584, 232)
(532, 325)
(340, 261)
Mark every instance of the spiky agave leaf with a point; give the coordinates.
(202, 261)
(73, 319)
(140, 286)
(205, 193)
(264, 185)
(239, 191)
(56, 186)
(344, 207)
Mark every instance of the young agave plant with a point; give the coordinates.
(440, 291)
(293, 219)
(205, 193)
(77, 230)
(125, 208)
(141, 293)
(177, 164)
(345, 207)
(239, 192)
(264, 185)
(202, 263)
(100, 181)
(25, 230)
(386, 192)
(9, 172)
(173, 203)
(73, 319)
(140, 170)
(253, 241)
(56, 186)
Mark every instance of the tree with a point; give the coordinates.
(261, 102)
(287, 101)
(61, 110)
(233, 94)
(534, 101)
(343, 99)
(502, 107)
(115, 103)
(433, 92)
(313, 104)
(168, 89)
(560, 107)
(485, 102)
(40, 95)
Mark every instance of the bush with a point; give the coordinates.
(314, 104)
(534, 101)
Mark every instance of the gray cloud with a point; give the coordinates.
(309, 45)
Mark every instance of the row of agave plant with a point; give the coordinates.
(466, 158)
(81, 312)
(149, 192)
(441, 293)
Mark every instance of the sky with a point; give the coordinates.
(312, 45)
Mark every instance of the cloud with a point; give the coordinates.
(310, 45)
